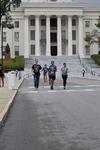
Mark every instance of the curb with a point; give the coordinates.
(4, 113)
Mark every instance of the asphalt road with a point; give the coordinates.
(54, 120)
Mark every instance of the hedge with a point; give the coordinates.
(14, 64)
(96, 58)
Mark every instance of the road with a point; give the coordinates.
(54, 120)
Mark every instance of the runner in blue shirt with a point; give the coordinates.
(52, 74)
(45, 71)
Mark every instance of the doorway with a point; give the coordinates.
(53, 50)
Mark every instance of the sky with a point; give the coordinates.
(90, 1)
(87, 1)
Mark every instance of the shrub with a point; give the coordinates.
(96, 58)
(14, 64)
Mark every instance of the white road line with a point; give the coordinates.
(56, 91)
(78, 86)
(53, 91)
(89, 90)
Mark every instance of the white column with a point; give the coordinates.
(80, 37)
(69, 35)
(47, 35)
(37, 37)
(26, 44)
(59, 41)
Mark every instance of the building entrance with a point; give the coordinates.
(53, 50)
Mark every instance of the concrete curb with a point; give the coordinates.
(4, 113)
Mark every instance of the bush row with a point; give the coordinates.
(96, 58)
(14, 64)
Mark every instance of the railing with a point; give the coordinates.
(27, 75)
(88, 68)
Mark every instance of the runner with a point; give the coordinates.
(45, 71)
(52, 74)
(36, 73)
(64, 71)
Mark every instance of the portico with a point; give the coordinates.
(55, 35)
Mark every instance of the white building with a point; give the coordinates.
(51, 28)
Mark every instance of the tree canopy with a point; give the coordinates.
(5, 6)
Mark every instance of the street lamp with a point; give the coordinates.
(9, 26)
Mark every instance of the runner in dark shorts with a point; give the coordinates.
(45, 71)
(52, 74)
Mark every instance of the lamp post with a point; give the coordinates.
(9, 26)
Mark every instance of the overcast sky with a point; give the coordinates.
(87, 1)
(90, 1)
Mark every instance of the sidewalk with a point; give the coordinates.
(6, 99)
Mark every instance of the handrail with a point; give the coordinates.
(27, 75)
(88, 68)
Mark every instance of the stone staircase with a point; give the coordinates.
(73, 63)
(90, 64)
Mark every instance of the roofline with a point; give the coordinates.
(52, 5)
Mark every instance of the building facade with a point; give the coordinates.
(51, 28)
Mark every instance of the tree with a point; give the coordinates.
(7, 51)
(5, 6)
(98, 33)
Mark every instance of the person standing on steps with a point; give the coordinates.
(83, 72)
(52, 74)
(64, 71)
(36, 73)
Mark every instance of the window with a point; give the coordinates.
(74, 49)
(74, 35)
(53, 37)
(16, 24)
(4, 37)
(87, 24)
(32, 22)
(43, 34)
(63, 22)
(53, 22)
(16, 50)
(16, 36)
(4, 47)
(32, 49)
(87, 50)
(73, 22)
(63, 34)
(43, 22)
(32, 35)
(4, 24)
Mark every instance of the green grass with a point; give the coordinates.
(96, 58)
(14, 64)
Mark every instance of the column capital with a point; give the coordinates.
(48, 16)
(80, 16)
(69, 16)
(37, 16)
(59, 16)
